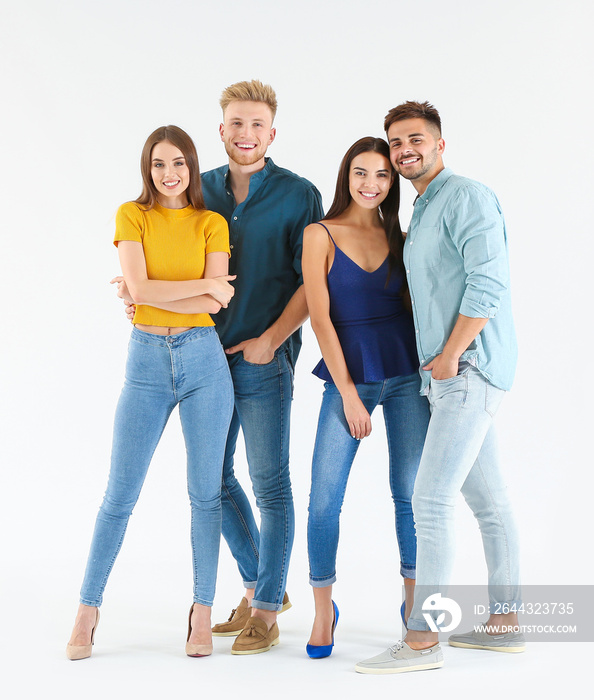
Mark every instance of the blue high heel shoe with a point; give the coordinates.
(320, 652)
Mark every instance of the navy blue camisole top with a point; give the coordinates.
(375, 330)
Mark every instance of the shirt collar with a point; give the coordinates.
(256, 177)
(435, 185)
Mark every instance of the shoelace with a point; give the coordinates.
(397, 647)
(232, 614)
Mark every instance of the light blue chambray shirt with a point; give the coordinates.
(456, 262)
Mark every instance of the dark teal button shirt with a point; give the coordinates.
(266, 237)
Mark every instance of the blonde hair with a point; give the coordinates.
(249, 91)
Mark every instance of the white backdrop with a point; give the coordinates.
(84, 84)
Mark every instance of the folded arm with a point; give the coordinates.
(213, 293)
(143, 290)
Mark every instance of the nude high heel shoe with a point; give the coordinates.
(75, 652)
(196, 650)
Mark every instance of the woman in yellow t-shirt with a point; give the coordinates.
(174, 256)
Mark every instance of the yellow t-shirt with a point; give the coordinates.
(175, 243)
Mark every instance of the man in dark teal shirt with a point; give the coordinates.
(267, 208)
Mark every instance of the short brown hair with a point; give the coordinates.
(181, 140)
(413, 110)
(249, 91)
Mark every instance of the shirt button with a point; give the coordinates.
(408, 272)
(228, 192)
(234, 218)
(231, 247)
(410, 243)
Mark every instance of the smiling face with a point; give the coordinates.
(370, 179)
(170, 174)
(415, 151)
(247, 131)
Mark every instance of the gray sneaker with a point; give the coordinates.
(401, 658)
(512, 642)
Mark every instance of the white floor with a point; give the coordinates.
(139, 652)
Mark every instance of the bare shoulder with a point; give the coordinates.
(315, 234)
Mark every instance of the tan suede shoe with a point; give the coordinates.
(236, 622)
(256, 637)
(239, 617)
(286, 603)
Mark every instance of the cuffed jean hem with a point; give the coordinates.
(260, 605)
(201, 601)
(322, 582)
(406, 572)
(83, 601)
(249, 584)
(417, 625)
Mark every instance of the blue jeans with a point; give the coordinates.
(406, 415)
(189, 369)
(263, 395)
(460, 454)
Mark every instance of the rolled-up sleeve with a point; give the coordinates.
(477, 229)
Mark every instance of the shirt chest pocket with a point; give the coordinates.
(425, 249)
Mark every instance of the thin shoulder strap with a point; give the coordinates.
(328, 232)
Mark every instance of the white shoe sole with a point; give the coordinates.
(402, 669)
(510, 650)
(256, 651)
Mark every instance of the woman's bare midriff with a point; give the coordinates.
(162, 330)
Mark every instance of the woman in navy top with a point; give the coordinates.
(356, 294)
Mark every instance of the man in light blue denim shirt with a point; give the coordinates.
(456, 262)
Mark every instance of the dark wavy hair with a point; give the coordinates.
(388, 209)
(181, 140)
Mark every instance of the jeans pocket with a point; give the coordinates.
(463, 368)
(256, 364)
(444, 381)
(451, 389)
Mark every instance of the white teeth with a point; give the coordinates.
(410, 160)
(246, 145)
(369, 195)
(171, 184)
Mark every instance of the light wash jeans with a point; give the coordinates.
(406, 415)
(263, 395)
(189, 369)
(460, 454)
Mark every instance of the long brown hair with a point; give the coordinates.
(181, 140)
(388, 209)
